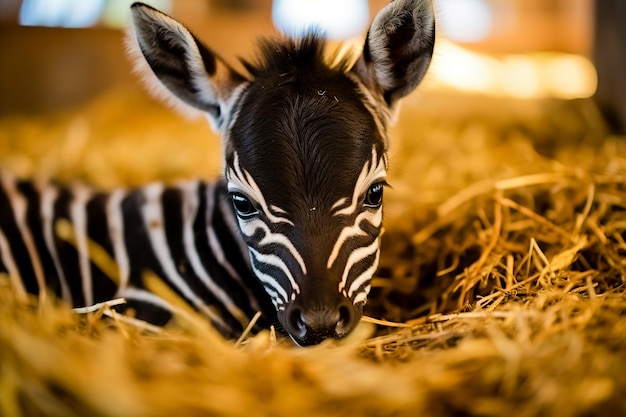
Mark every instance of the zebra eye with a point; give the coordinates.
(243, 206)
(374, 196)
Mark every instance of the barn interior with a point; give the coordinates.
(500, 289)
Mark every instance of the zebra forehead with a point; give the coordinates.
(306, 155)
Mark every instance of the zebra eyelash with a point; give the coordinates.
(236, 197)
(345, 202)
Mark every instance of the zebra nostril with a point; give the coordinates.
(295, 322)
(310, 327)
(344, 324)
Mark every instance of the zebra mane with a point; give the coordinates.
(284, 55)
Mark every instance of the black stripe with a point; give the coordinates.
(219, 275)
(173, 203)
(138, 246)
(15, 240)
(229, 241)
(104, 287)
(67, 252)
(145, 311)
(33, 218)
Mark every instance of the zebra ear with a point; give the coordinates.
(183, 70)
(398, 48)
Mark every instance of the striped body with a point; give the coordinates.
(184, 233)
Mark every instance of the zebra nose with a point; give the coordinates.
(312, 326)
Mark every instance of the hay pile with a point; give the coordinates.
(500, 292)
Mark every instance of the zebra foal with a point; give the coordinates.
(293, 227)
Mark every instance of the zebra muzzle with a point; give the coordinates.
(311, 326)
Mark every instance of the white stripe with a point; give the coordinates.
(356, 256)
(190, 211)
(274, 260)
(115, 220)
(271, 282)
(364, 277)
(78, 217)
(278, 209)
(48, 195)
(239, 180)
(275, 298)
(362, 296)
(14, 273)
(214, 243)
(226, 210)
(250, 227)
(229, 110)
(136, 294)
(353, 231)
(19, 206)
(339, 203)
(153, 218)
(220, 256)
(372, 172)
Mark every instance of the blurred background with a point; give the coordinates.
(66, 83)
(59, 53)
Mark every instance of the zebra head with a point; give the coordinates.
(305, 152)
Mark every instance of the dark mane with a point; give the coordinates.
(287, 55)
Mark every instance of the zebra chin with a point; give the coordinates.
(311, 323)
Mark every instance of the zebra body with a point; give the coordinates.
(292, 230)
(185, 233)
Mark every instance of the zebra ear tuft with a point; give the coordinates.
(180, 69)
(398, 48)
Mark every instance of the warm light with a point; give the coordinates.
(458, 68)
(465, 21)
(117, 12)
(337, 19)
(571, 75)
(519, 77)
(535, 75)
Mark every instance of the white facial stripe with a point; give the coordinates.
(276, 261)
(375, 219)
(274, 297)
(355, 257)
(277, 209)
(365, 277)
(372, 172)
(250, 227)
(362, 296)
(270, 281)
(339, 203)
(239, 180)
